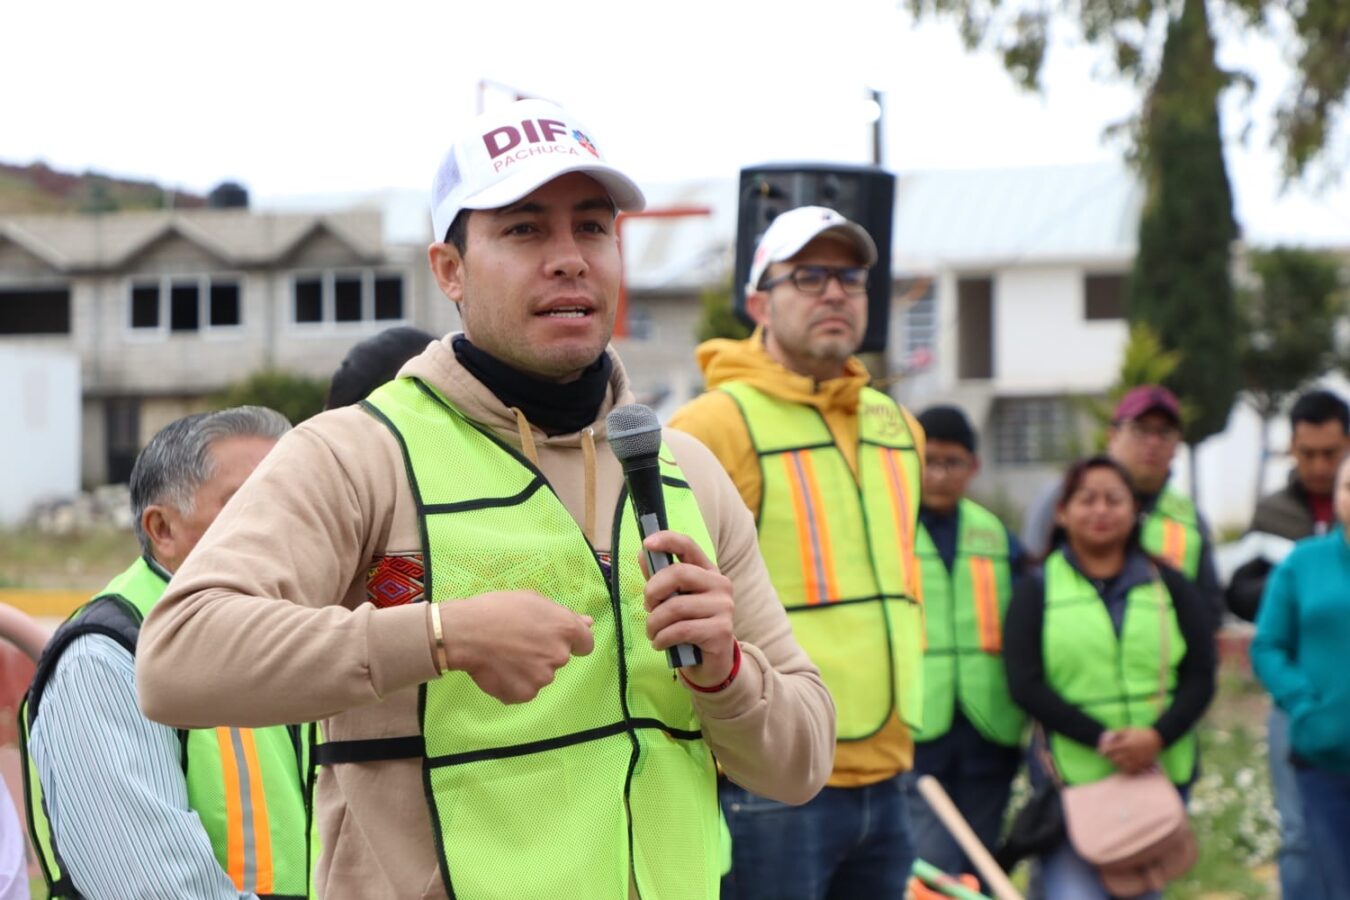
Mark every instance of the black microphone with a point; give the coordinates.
(635, 436)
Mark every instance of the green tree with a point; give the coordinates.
(1288, 312)
(1316, 35)
(1181, 285)
(719, 320)
(296, 397)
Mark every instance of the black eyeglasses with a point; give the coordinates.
(813, 279)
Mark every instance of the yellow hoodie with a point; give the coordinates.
(715, 420)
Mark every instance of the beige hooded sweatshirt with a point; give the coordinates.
(268, 622)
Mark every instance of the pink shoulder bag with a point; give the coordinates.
(1133, 828)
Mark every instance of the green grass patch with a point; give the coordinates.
(84, 561)
(1232, 810)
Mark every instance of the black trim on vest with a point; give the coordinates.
(333, 753)
(616, 604)
(867, 529)
(851, 601)
(338, 752)
(505, 448)
(902, 448)
(441, 509)
(309, 779)
(183, 752)
(894, 708)
(798, 448)
(759, 458)
(630, 726)
(427, 593)
(412, 487)
(63, 888)
(60, 888)
(1152, 695)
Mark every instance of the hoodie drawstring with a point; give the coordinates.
(526, 436)
(588, 456)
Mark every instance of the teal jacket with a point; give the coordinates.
(1299, 652)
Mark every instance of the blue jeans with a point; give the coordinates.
(1067, 876)
(1326, 814)
(1299, 876)
(846, 843)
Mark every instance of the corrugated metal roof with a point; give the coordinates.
(943, 220)
(955, 219)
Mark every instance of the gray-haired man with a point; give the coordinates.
(124, 807)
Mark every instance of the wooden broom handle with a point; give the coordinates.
(957, 826)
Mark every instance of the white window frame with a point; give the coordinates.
(920, 324)
(328, 323)
(165, 283)
(1053, 419)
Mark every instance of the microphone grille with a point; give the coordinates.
(634, 431)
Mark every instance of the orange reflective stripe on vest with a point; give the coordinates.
(986, 604)
(813, 534)
(248, 837)
(1174, 543)
(903, 511)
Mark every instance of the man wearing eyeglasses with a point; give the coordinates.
(831, 469)
(972, 731)
(1144, 435)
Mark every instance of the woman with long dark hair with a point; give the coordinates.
(1084, 649)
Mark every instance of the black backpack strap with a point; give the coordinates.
(111, 615)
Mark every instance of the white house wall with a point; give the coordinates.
(1042, 342)
(40, 405)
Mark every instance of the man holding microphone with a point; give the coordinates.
(445, 576)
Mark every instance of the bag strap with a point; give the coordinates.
(1164, 637)
(1041, 742)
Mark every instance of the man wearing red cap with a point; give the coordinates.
(1144, 434)
(831, 469)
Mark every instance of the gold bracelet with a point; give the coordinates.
(442, 661)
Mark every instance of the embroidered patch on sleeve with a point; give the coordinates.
(395, 580)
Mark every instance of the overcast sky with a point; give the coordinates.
(302, 97)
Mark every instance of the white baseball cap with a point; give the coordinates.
(794, 229)
(508, 152)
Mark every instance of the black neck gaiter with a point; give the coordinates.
(555, 408)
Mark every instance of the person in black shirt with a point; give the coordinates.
(1065, 658)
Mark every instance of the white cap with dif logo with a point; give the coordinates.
(508, 152)
(794, 229)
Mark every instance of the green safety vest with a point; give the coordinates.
(1171, 532)
(1114, 679)
(963, 623)
(604, 778)
(244, 784)
(840, 551)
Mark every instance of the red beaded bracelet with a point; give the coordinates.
(731, 676)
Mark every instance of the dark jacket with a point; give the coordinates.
(1287, 513)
